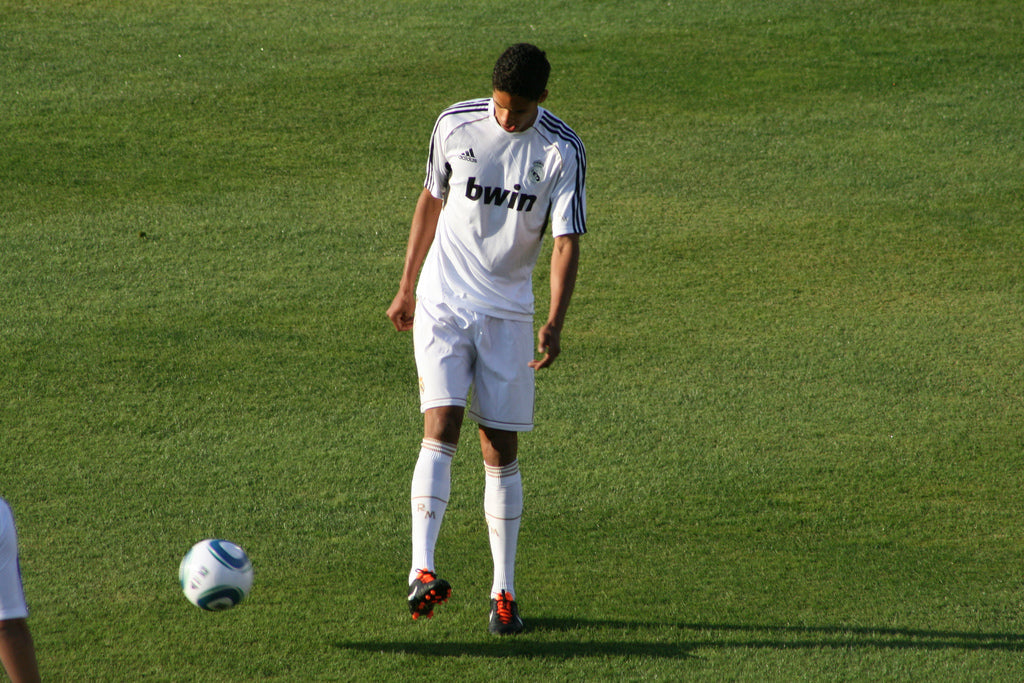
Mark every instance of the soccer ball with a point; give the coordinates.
(215, 575)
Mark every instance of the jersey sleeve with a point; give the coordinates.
(569, 195)
(438, 169)
(12, 597)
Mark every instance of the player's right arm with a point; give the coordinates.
(421, 236)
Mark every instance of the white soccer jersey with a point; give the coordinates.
(12, 597)
(501, 191)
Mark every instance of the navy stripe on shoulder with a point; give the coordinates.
(557, 127)
(468, 106)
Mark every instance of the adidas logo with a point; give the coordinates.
(468, 156)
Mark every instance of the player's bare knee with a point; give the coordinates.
(443, 423)
(500, 447)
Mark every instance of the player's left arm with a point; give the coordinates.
(17, 651)
(565, 260)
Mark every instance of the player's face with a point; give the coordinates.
(514, 113)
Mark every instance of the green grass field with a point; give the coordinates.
(783, 442)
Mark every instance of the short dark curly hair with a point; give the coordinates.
(522, 70)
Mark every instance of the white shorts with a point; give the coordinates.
(12, 596)
(458, 349)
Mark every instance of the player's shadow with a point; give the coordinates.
(725, 636)
(570, 638)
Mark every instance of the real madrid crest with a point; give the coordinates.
(536, 171)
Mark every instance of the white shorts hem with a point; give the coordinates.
(495, 424)
(442, 403)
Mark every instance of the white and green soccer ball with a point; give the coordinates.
(215, 574)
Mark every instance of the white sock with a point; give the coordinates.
(431, 486)
(503, 508)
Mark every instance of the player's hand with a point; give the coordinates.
(549, 343)
(401, 311)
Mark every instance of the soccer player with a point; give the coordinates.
(501, 172)
(17, 652)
